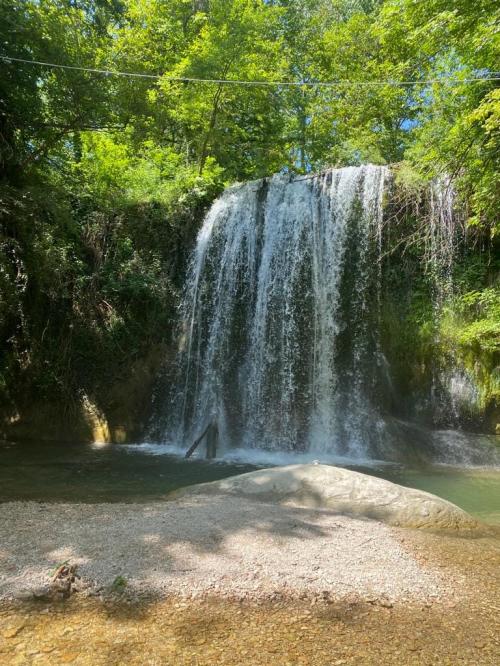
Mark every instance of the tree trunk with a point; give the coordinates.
(211, 127)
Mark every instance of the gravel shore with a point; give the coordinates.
(212, 546)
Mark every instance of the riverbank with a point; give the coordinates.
(295, 532)
(309, 632)
(217, 581)
(194, 548)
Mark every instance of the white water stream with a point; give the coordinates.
(280, 339)
(278, 342)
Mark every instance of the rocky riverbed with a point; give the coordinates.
(196, 547)
(307, 632)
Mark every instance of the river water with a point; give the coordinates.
(69, 472)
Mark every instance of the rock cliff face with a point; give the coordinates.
(342, 491)
(117, 413)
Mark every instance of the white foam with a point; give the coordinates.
(257, 457)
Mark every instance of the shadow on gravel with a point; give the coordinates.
(141, 542)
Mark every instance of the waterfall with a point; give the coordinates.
(445, 228)
(280, 338)
(284, 337)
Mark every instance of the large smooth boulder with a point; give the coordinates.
(342, 491)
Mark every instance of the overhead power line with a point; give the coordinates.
(448, 80)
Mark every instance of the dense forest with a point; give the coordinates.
(105, 177)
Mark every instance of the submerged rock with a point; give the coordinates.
(343, 491)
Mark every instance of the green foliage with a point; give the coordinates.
(58, 566)
(103, 179)
(86, 290)
(472, 320)
(470, 330)
(119, 584)
(457, 128)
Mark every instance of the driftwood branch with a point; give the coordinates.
(197, 441)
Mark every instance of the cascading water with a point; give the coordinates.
(445, 227)
(453, 390)
(280, 336)
(281, 325)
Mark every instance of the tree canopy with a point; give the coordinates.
(58, 119)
